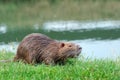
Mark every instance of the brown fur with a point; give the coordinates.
(38, 48)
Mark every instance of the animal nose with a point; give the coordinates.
(80, 48)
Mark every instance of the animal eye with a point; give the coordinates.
(62, 45)
(70, 46)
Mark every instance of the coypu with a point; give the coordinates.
(39, 48)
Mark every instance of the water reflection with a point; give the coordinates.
(3, 28)
(77, 25)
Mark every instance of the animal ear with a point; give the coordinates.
(62, 45)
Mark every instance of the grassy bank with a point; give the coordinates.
(18, 13)
(73, 70)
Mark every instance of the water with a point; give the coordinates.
(3, 28)
(76, 25)
(100, 49)
(99, 39)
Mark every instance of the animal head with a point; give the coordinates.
(69, 50)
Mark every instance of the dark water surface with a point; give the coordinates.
(99, 39)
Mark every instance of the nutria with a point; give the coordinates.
(39, 48)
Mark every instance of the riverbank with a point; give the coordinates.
(73, 70)
(15, 13)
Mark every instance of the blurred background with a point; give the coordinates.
(93, 24)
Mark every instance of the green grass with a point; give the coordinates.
(18, 13)
(72, 70)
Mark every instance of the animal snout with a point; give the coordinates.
(79, 48)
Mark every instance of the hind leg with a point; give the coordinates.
(18, 58)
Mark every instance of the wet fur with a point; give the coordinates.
(38, 48)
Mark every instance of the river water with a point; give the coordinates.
(99, 39)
